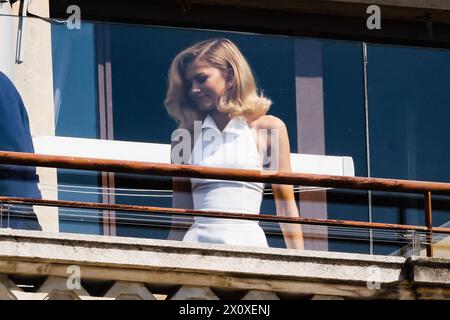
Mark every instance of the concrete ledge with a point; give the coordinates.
(161, 262)
(430, 271)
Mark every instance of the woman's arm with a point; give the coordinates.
(284, 194)
(181, 198)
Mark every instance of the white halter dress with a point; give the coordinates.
(236, 148)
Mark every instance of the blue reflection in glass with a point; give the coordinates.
(409, 114)
(141, 57)
(76, 115)
(344, 118)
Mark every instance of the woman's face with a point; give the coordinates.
(205, 84)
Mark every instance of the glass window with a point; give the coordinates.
(110, 81)
(409, 110)
(140, 60)
(76, 115)
(344, 123)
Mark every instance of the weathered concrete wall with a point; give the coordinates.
(176, 270)
(34, 80)
(442, 248)
(6, 40)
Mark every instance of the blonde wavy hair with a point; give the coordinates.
(241, 99)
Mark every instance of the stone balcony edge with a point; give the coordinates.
(166, 262)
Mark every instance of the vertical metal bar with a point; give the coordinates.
(366, 110)
(310, 114)
(7, 215)
(429, 223)
(99, 37)
(20, 43)
(112, 200)
(105, 105)
(105, 198)
(415, 243)
(109, 122)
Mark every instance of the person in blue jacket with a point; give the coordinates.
(16, 181)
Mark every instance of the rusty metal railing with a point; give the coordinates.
(192, 171)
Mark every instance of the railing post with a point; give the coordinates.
(429, 223)
(415, 243)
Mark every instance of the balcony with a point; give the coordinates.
(63, 265)
(36, 265)
(45, 265)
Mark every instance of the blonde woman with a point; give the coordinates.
(212, 95)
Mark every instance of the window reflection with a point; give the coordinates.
(318, 91)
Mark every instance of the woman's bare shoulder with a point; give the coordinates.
(267, 122)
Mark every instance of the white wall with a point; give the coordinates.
(33, 79)
(6, 40)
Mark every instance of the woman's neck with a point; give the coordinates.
(221, 119)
